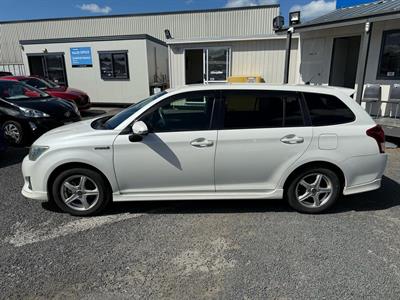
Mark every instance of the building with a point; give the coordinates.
(354, 46)
(211, 60)
(111, 69)
(57, 48)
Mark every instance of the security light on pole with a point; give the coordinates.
(294, 18)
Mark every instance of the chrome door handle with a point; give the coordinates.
(292, 139)
(201, 143)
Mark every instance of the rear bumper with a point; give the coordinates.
(364, 173)
(366, 187)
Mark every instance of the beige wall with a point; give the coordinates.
(253, 57)
(89, 79)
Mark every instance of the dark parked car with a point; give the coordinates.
(80, 98)
(26, 112)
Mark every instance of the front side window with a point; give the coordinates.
(184, 112)
(116, 120)
(114, 65)
(389, 61)
(327, 110)
(261, 109)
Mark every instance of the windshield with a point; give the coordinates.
(37, 83)
(14, 90)
(51, 84)
(126, 113)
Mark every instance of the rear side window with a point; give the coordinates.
(261, 109)
(327, 110)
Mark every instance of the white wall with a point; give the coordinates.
(316, 54)
(265, 58)
(161, 53)
(89, 79)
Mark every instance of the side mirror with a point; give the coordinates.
(140, 128)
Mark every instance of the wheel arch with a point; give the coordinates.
(70, 165)
(316, 164)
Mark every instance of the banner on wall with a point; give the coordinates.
(81, 57)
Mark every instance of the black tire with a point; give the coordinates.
(308, 205)
(93, 177)
(17, 141)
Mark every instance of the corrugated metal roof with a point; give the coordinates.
(367, 10)
(246, 21)
(239, 38)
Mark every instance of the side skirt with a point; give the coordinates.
(275, 194)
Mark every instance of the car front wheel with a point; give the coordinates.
(13, 132)
(314, 190)
(81, 192)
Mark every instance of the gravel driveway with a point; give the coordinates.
(205, 249)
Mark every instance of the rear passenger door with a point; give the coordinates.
(261, 134)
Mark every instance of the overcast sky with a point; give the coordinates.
(36, 9)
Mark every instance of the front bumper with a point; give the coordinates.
(32, 189)
(28, 193)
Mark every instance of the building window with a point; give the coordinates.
(389, 62)
(114, 65)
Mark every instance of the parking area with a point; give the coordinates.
(200, 249)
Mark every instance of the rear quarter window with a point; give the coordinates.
(327, 110)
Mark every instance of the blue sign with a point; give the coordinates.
(81, 57)
(347, 3)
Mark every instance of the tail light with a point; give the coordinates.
(378, 134)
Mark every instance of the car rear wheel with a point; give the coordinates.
(13, 132)
(313, 190)
(81, 192)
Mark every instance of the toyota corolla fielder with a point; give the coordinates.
(307, 144)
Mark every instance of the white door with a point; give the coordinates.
(263, 134)
(177, 155)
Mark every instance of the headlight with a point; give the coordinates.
(36, 151)
(33, 113)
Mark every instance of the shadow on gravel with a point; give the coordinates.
(386, 197)
(13, 156)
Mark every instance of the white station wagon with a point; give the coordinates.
(306, 144)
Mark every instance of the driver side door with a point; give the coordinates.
(177, 155)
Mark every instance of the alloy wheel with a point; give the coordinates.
(11, 131)
(79, 192)
(314, 190)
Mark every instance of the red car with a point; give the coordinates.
(80, 98)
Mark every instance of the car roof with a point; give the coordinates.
(265, 86)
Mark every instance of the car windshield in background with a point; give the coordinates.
(37, 83)
(51, 84)
(13, 90)
(126, 113)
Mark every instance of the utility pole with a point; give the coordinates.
(287, 56)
